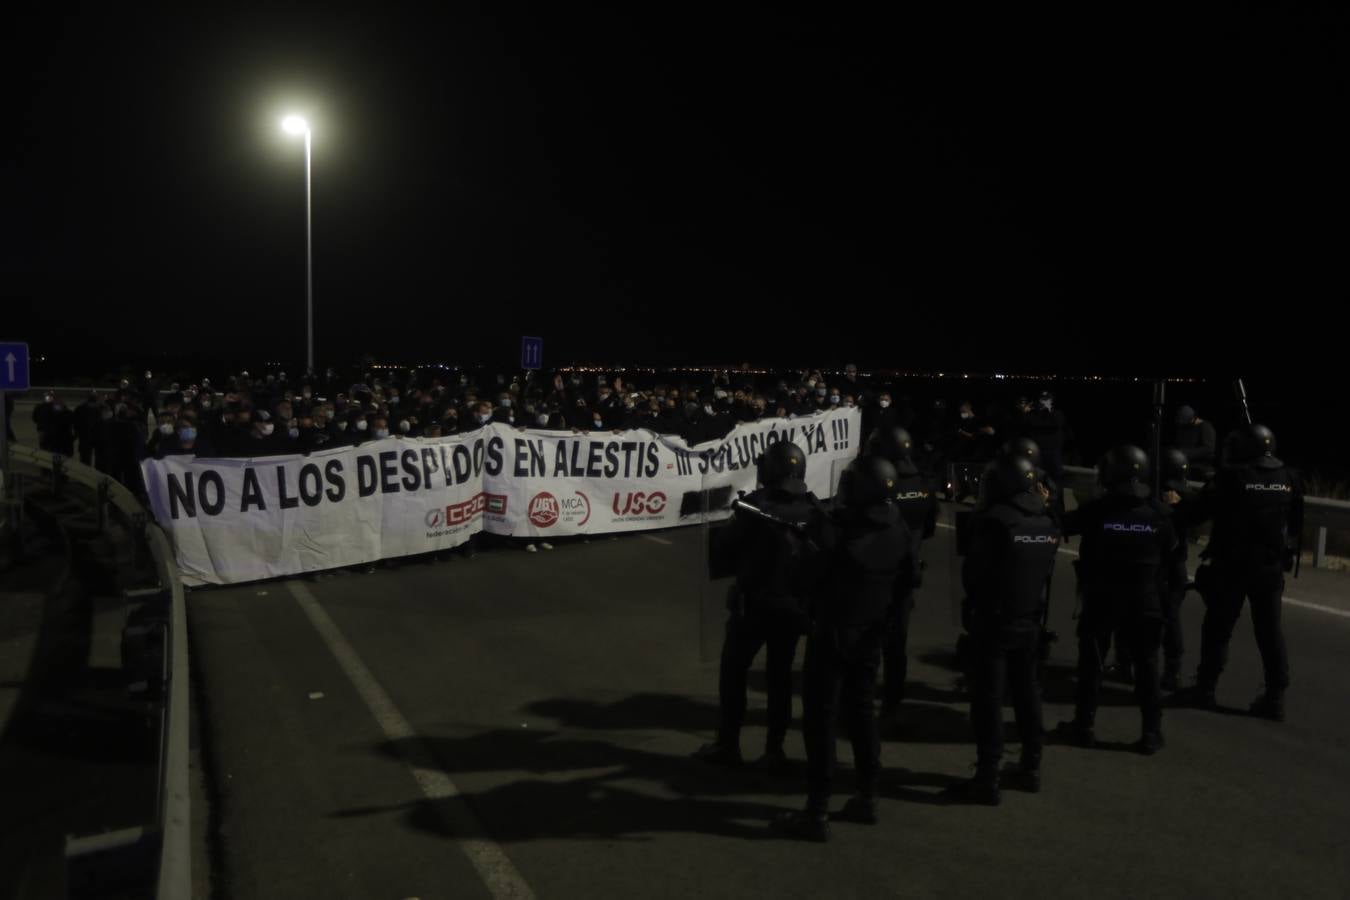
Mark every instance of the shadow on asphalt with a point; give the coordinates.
(573, 783)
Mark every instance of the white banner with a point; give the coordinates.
(235, 520)
(542, 483)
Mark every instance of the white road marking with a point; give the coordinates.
(493, 865)
(654, 539)
(1344, 614)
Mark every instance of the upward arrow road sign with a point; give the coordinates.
(13, 367)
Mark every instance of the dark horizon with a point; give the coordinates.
(990, 193)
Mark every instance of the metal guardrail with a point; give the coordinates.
(173, 808)
(1322, 513)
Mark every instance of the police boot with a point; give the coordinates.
(1270, 705)
(1149, 743)
(859, 808)
(719, 754)
(807, 825)
(1199, 695)
(982, 790)
(1027, 775)
(1171, 676)
(1078, 731)
(773, 762)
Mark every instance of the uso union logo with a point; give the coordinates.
(543, 510)
(637, 503)
(547, 510)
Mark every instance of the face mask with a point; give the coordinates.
(967, 415)
(1047, 404)
(166, 429)
(707, 409)
(541, 419)
(630, 406)
(811, 383)
(187, 434)
(405, 426)
(597, 424)
(510, 419)
(293, 433)
(267, 429)
(362, 424)
(834, 398)
(720, 395)
(342, 426)
(849, 405)
(506, 402)
(885, 403)
(483, 418)
(381, 433)
(820, 392)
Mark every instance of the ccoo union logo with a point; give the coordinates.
(456, 513)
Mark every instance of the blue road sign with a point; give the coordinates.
(13, 367)
(531, 353)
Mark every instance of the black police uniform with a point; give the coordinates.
(1012, 549)
(1175, 470)
(768, 603)
(1257, 507)
(915, 498)
(1127, 564)
(768, 611)
(866, 566)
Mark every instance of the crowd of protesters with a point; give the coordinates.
(270, 414)
(248, 416)
(244, 415)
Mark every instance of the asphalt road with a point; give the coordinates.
(520, 724)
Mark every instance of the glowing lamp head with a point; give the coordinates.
(295, 125)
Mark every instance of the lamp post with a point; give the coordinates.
(297, 125)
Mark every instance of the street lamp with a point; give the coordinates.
(297, 125)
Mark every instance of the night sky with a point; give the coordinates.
(680, 184)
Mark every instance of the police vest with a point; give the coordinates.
(1123, 544)
(1023, 568)
(914, 500)
(1252, 514)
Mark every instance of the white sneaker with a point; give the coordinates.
(546, 545)
(531, 548)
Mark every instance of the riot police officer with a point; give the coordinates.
(1046, 484)
(1178, 498)
(1127, 563)
(1256, 503)
(866, 566)
(767, 605)
(1013, 542)
(915, 497)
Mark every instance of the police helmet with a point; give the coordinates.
(1024, 447)
(1006, 478)
(1174, 468)
(783, 466)
(896, 445)
(1125, 469)
(868, 481)
(1249, 444)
